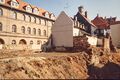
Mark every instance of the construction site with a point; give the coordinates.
(86, 62)
(34, 44)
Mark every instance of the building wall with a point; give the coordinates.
(114, 32)
(62, 31)
(7, 35)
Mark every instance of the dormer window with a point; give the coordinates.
(14, 4)
(47, 15)
(36, 11)
(29, 9)
(53, 16)
(2, 1)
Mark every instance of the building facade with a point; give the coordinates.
(24, 24)
(65, 29)
(114, 33)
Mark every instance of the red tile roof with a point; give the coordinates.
(22, 4)
(100, 22)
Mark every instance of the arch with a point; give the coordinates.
(31, 42)
(2, 41)
(39, 42)
(23, 29)
(13, 41)
(44, 32)
(39, 32)
(34, 31)
(24, 17)
(1, 26)
(22, 41)
(1, 12)
(14, 15)
(14, 28)
(29, 30)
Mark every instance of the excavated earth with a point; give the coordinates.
(56, 65)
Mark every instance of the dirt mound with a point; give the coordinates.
(60, 66)
(56, 67)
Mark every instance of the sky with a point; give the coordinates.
(102, 7)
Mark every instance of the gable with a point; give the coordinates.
(63, 19)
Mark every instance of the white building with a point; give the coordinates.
(65, 28)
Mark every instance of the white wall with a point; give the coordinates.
(76, 32)
(92, 40)
(115, 34)
(62, 31)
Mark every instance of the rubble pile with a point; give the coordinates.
(80, 43)
(61, 65)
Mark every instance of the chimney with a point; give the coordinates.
(86, 14)
(97, 15)
(80, 9)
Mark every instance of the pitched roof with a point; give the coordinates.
(86, 19)
(22, 4)
(100, 22)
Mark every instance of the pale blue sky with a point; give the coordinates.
(103, 7)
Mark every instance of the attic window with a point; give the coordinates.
(47, 15)
(1, 0)
(14, 3)
(36, 11)
(52, 16)
(28, 9)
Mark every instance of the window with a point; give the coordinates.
(1, 12)
(31, 42)
(14, 28)
(39, 32)
(34, 31)
(14, 15)
(52, 16)
(1, 0)
(29, 30)
(24, 18)
(14, 4)
(42, 21)
(44, 32)
(36, 11)
(28, 8)
(23, 29)
(47, 15)
(0, 26)
(39, 21)
(13, 42)
(34, 20)
(38, 42)
(29, 18)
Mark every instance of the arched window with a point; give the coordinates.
(29, 18)
(31, 42)
(38, 42)
(23, 29)
(13, 41)
(1, 12)
(39, 32)
(47, 15)
(29, 30)
(44, 32)
(0, 26)
(14, 15)
(14, 28)
(34, 20)
(24, 18)
(34, 31)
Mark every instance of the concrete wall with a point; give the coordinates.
(114, 32)
(62, 31)
(92, 40)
